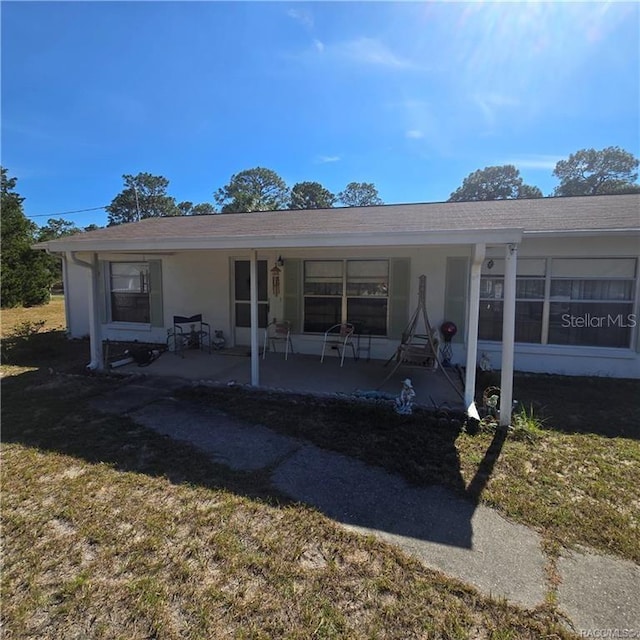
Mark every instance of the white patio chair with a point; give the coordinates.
(277, 332)
(339, 337)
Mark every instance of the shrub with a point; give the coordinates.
(525, 425)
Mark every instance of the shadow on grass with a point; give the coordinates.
(52, 413)
(570, 404)
(46, 349)
(419, 450)
(485, 468)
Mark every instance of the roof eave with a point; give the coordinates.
(583, 233)
(366, 239)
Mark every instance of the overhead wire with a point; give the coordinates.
(64, 213)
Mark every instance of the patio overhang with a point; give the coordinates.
(477, 239)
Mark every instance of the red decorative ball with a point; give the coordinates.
(448, 329)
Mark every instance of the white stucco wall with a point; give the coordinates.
(76, 298)
(201, 282)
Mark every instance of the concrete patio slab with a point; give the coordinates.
(305, 374)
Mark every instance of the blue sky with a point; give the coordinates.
(410, 96)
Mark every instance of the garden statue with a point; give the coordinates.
(404, 402)
(485, 363)
(218, 341)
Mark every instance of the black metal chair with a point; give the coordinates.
(189, 333)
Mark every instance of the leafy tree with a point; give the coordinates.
(528, 191)
(24, 273)
(311, 195)
(189, 209)
(359, 194)
(143, 196)
(494, 183)
(203, 209)
(185, 207)
(91, 227)
(257, 189)
(593, 173)
(56, 228)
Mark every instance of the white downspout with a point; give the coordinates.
(479, 252)
(67, 297)
(508, 333)
(95, 326)
(255, 348)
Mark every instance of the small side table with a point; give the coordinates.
(363, 344)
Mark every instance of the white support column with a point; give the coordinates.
(479, 251)
(255, 346)
(95, 322)
(508, 333)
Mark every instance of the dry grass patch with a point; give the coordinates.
(52, 314)
(112, 531)
(105, 554)
(35, 337)
(575, 489)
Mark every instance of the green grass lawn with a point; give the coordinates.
(112, 531)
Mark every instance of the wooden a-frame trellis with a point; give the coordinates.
(419, 349)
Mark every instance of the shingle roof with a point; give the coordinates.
(542, 215)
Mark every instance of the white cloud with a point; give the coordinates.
(421, 120)
(325, 159)
(372, 52)
(535, 161)
(302, 16)
(368, 52)
(490, 103)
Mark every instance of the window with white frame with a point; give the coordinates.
(591, 302)
(129, 292)
(529, 308)
(354, 291)
(567, 301)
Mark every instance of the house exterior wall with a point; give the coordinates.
(568, 359)
(192, 282)
(76, 298)
(430, 261)
(201, 282)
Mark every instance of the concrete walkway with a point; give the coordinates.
(470, 542)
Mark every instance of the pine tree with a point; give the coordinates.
(25, 276)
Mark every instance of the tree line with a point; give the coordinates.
(258, 189)
(586, 172)
(27, 276)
